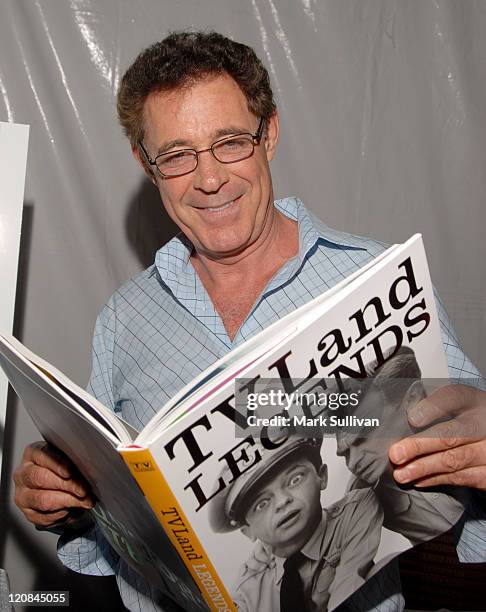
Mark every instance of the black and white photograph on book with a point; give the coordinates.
(242, 325)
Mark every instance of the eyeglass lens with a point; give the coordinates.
(233, 149)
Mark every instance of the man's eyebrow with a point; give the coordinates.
(230, 131)
(266, 490)
(294, 466)
(180, 143)
(257, 498)
(173, 144)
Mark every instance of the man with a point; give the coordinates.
(306, 558)
(200, 116)
(391, 390)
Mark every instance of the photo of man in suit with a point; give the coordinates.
(389, 392)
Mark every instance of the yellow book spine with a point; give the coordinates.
(175, 524)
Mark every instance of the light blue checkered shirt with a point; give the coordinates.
(160, 330)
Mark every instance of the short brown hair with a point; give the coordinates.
(186, 57)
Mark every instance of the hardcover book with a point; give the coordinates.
(271, 466)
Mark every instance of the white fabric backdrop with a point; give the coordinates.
(383, 113)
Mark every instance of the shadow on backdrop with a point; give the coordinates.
(147, 224)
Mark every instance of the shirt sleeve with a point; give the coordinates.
(471, 546)
(101, 380)
(461, 368)
(88, 552)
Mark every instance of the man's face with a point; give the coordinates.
(285, 511)
(223, 209)
(367, 456)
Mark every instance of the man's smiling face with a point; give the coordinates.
(223, 209)
(285, 511)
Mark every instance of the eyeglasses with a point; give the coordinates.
(226, 150)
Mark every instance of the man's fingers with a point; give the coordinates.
(34, 477)
(470, 477)
(45, 467)
(450, 461)
(440, 437)
(45, 519)
(47, 486)
(31, 500)
(442, 403)
(47, 456)
(46, 508)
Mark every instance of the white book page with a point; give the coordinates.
(44, 374)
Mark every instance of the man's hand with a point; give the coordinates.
(451, 450)
(46, 489)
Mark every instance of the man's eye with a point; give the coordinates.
(175, 159)
(234, 144)
(295, 479)
(260, 505)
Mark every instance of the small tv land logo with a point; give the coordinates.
(142, 466)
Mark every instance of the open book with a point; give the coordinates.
(295, 421)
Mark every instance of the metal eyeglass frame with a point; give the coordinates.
(256, 137)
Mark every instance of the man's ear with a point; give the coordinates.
(270, 136)
(142, 162)
(322, 473)
(413, 395)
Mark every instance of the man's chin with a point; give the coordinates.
(293, 542)
(224, 250)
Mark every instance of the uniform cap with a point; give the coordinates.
(228, 508)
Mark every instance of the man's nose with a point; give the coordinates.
(210, 174)
(282, 498)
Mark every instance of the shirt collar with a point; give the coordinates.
(312, 230)
(313, 234)
(313, 547)
(173, 264)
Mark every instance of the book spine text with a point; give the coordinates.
(179, 530)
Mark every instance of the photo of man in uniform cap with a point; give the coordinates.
(306, 557)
